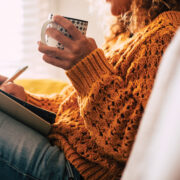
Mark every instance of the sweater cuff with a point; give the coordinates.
(88, 71)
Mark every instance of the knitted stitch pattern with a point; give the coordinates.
(98, 116)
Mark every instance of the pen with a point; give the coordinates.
(15, 75)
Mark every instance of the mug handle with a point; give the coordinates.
(43, 31)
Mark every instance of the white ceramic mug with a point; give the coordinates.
(81, 25)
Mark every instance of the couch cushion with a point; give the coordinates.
(42, 86)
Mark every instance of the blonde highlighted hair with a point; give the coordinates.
(142, 12)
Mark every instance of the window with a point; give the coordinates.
(21, 21)
(10, 35)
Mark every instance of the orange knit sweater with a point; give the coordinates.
(99, 114)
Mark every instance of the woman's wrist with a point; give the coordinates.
(89, 70)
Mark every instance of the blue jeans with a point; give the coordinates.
(27, 155)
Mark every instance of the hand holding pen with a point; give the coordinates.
(9, 87)
(15, 75)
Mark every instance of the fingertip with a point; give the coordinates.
(56, 17)
(45, 57)
(41, 46)
(40, 43)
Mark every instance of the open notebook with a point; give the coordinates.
(32, 116)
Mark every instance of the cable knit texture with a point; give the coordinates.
(98, 116)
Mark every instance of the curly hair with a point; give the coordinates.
(142, 12)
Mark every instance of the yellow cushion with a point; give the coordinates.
(41, 86)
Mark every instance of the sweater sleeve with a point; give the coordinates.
(112, 102)
(49, 102)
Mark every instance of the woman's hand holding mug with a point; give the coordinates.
(76, 45)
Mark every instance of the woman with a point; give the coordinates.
(98, 117)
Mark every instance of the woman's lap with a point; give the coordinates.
(25, 154)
